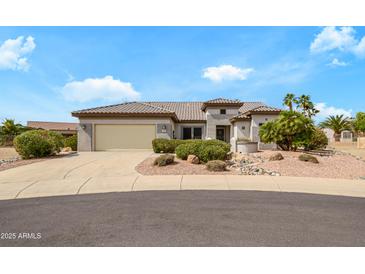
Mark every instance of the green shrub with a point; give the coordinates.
(289, 131)
(211, 152)
(225, 146)
(164, 160)
(184, 150)
(169, 145)
(205, 150)
(317, 140)
(34, 144)
(56, 139)
(71, 142)
(216, 165)
(165, 145)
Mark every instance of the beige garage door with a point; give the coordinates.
(124, 136)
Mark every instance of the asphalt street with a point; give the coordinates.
(184, 218)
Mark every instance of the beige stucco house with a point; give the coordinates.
(134, 125)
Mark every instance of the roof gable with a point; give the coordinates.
(221, 102)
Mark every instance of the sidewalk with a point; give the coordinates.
(76, 186)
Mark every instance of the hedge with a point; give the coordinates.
(38, 143)
(161, 145)
(206, 150)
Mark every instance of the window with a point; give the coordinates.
(197, 132)
(186, 133)
(192, 133)
(222, 111)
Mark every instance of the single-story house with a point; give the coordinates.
(133, 125)
(66, 129)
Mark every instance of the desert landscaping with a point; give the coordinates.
(338, 166)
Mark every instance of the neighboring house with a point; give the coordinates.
(135, 124)
(66, 129)
(330, 134)
(346, 136)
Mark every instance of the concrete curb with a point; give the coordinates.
(128, 183)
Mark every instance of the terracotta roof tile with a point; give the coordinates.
(131, 107)
(223, 101)
(183, 111)
(265, 108)
(249, 106)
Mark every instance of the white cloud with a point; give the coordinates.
(337, 63)
(226, 72)
(105, 88)
(343, 39)
(13, 52)
(326, 111)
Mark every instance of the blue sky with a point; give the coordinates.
(47, 72)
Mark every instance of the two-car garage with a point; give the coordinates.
(123, 136)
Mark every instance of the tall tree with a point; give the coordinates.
(337, 123)
(307, 106)
(359, 122)
(289, 100)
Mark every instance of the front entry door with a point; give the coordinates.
(220, 133)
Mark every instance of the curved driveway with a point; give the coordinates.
(68, 175)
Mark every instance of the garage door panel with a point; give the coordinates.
(124, 136)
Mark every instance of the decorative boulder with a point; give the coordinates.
(216, 165)
(192, 159)
(66, 149)
(276, 157)
(308, 158)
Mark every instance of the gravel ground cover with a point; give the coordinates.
(180, 167)
(338, 166)
(7, 153)
(9, 158)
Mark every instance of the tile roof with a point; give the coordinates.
(240, 116)
(249, 106)
(223, 101)
(185, 111)
(252, 107)
(52, 125)
(265, 109)
(130, 107)
(182, 111)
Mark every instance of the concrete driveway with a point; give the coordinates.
(100, 172)
(85, 172)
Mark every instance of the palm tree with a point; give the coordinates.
(289, 100)
(337, 123)
(9, 130)
(307, 106)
